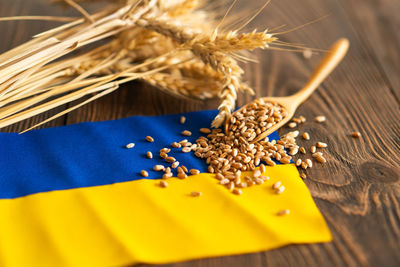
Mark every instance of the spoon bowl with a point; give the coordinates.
(290, 103)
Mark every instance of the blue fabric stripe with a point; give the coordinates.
(93, 153)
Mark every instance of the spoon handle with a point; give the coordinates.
(325, 67)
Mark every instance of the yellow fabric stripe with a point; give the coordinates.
(138, 221)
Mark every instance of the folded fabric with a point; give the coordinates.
(73, 196)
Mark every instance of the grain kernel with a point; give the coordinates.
(320, 159)
(321, 145)
(259, 181)
(231, 186)
(309, 163)
(144, 173)
(149, 154)
(176, 145)
(283, 212)
(262, 168)
(256, 173)
(250, 183)
(265, 178)
(242, 185)
(196, 194)
(356, 134)
(188, 144)
(219, 176)
(280, 189)
(186, 149)
(163, 184)
(182, 120)
(237, 180)
(184, 168)
(238, 174)
(293, 151)
(313, 149)
(292, 124)
(302, 150)
(298, 162)
(170, 159)
(317, 154)
(130, 145)
(211, 169)
(149, 139)
(186, 133)
(184, 141)
(158, 168)
(224, 181)
(167, 175)
(296, 120)
(194, 171)
(236, 165)
(306, 136)
(303, 176)
(276, 185)
(237, 191)
(167, 170)
(320, 118)
(182, 175)
(270, 162)
(304, 165)
(205, 130)
(175, 164)
(285, 160)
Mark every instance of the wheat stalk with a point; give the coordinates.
(214, 49)
(175, 46)
(185, 86)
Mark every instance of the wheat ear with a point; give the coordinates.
(215, 50)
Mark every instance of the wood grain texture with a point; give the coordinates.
(358, 190)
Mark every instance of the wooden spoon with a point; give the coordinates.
(290, 103)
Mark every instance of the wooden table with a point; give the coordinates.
(358, 190)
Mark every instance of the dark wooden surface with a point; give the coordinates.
(358, 190)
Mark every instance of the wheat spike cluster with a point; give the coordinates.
(178, 46)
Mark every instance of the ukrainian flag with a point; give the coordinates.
(73, 196)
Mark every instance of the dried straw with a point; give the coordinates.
(176, 46)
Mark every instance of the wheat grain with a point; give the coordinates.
(321, 145)
(186, 133)
(196, 194)
(283, 212)
(158, 168)
(163, 184)
(184, 169)
(280, 190)
(306, 136)
(130, 145)
(320, 119)
(194, 171)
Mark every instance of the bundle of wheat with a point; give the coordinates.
(175, 45)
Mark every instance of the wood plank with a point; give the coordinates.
(379, 24)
